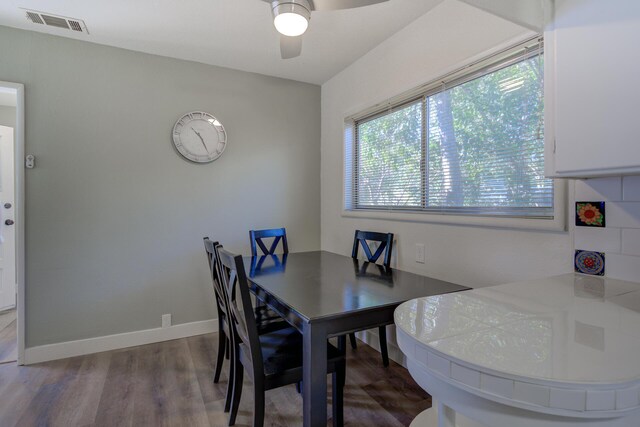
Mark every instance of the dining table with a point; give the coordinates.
(324, 295)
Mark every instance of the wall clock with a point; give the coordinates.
(199, 137)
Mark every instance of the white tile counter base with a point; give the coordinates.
(464, 409)
(582, 322)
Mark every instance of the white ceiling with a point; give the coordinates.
(237, 34)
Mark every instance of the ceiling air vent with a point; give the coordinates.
(56, 21)
(34, 17)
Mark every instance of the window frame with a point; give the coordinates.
(494, 217)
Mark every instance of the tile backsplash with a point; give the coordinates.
(620, 239)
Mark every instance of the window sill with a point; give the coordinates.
(557, 224)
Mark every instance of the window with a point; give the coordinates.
(470, 144)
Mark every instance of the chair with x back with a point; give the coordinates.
(385, 245)
(385, 240)
(278, 235)
(271, 360)
(256, 239)
(224, 332)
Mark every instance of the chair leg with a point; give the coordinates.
(231, 380)
(237, 391)
(382, 334)
(352, 338)
(222, 349)
(227, 350)
(337, 384)
(299, 387)
(258, 404)
(258, 311)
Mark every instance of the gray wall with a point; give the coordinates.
(7, 116)
(115, 218)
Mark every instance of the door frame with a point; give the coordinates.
(9, 298)
(19, 150)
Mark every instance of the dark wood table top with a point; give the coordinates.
(321, 285)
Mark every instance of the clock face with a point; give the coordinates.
(199, 137)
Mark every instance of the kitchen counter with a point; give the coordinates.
(566, 348)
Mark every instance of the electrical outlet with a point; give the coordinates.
(420, 253)
(166, 320)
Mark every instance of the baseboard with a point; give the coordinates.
(44, 353)
(370, 337)
(66, 349)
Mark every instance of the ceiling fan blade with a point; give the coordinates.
(290, 47)
(341, 4)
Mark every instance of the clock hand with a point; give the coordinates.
(202, 140)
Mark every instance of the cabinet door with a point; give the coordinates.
(597, 87)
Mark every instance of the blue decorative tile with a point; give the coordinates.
(590, 214)
(588, 262)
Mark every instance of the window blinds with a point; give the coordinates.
(471, 145)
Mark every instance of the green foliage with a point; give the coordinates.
(389, 159)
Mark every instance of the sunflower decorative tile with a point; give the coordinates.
(588, 262)
(590, 214)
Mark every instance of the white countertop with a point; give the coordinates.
(570, 332)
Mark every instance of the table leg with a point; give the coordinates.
(314, 375)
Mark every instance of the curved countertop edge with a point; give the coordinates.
(570, 399)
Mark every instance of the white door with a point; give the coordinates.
(7, 229)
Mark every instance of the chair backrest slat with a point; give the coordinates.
(386, 245)
(212, 257)
(278, 234)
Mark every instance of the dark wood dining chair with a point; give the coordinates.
(278, 235)
(224, 333)
(265, 325)
(385, 240)
(385, 245)
(256, 240)
(271, 360)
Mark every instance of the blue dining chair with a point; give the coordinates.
(385, 241)
(385, 245)
(256, 239)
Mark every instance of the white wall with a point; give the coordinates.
(620, 239)
(114, 216)
(432, 45)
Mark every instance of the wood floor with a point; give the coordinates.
(170, 384)
(8, 338)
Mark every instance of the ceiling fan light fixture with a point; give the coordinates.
(291, 18)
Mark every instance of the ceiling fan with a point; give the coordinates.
(291, 19)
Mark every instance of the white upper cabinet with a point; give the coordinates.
(592, 88)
